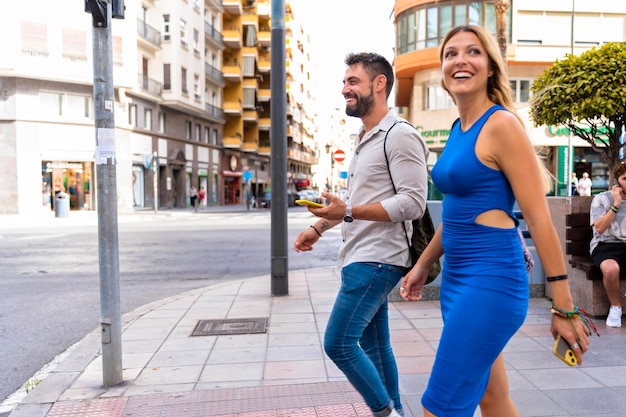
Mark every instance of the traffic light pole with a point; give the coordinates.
(106, 187)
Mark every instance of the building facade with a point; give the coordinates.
(192, 102)
(539, 32)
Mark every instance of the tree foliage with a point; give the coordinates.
(586, 93)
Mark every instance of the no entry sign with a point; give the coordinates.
(339, 155)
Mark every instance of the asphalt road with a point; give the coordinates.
(50, 276)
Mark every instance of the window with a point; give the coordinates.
(147, 119)
(437, 98)
(196, 87)
(34, 39)
(521, 90)
(198, 136)
(166, 27)
(117, 45)
(248, 65)
(196, 41)
(248, 98)
(161, 122)
(183, 80)
(214, 139)
(50, 104)
(207, 135)
(425, 26)
(188, 129)
(167, 77)
(74, 44)
(183, 33)
(132, 115)
(70, 106)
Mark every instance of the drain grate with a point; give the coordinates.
(230, 326)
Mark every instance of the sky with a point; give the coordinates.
(336, 28)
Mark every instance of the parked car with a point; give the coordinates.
(265, 201)
(310, 195)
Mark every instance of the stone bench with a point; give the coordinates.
(585, 276)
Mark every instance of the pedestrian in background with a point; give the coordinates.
(584, 185)
(608, 244)
(574, 184)
(202, 196)
(487, 164)
(193, 196)
(374, 255)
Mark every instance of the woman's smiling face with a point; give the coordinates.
(465, 64)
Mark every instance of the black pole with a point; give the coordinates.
(278, 142)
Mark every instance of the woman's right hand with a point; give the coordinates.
(413, 282)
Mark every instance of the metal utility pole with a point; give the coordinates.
(155, 188)
(278, 138)
(106, 186)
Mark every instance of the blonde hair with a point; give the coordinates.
(498, 86)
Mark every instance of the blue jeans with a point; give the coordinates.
(357, 334)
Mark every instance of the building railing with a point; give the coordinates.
(148, 33)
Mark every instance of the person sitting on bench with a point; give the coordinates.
(608, 244)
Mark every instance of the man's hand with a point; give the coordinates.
(335, 210)
(305, 240)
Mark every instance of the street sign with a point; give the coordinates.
(339, 155)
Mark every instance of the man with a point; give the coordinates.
(584, 185)
(608, 244)
(374, 255)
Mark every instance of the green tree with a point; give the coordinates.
(586, 93)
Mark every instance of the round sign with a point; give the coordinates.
(339, 155)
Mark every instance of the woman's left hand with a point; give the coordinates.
(574, 331)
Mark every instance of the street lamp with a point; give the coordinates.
(328, 146)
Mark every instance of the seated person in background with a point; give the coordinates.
(608, 244)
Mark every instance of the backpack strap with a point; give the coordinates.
(406, 235)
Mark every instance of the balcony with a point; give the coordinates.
(264, 38)
(232, 38)
(233, 108)
(250, 20)
(233, 142)
(250, 146)
(264, 64)
(232, 7)
(214, 74)
(250, 116)
(213, 35)
(264, 150)
(264, 94)
(232, 73)
(148, 36)
(149, 85)
(215, 112)
(265, 123)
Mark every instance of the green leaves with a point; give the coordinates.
(588, 91)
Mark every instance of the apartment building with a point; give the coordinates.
(192, 100)
(539, 32)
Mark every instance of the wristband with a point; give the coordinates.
(556, 278)
(316, 231)
(614, 209)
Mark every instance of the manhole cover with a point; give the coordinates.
(230, 326)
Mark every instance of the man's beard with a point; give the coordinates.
(362, 107)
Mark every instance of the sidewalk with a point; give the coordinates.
(282, 370)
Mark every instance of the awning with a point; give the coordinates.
(231, 174)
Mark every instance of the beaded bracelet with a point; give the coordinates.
(576, 312)
(556, 278)
(316, 231)
(614, 209)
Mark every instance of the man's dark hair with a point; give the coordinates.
(374, 64)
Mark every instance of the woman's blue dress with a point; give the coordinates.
(484, 288)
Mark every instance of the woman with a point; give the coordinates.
(484, 288)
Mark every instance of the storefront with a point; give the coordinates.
(73, 178)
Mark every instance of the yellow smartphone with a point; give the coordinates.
(308, 203)
(563, 351)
